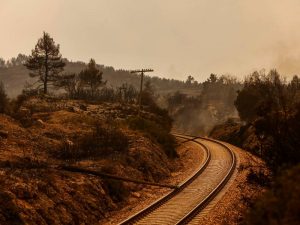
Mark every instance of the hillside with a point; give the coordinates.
(50, 133)
(15, 77)
(183, 100)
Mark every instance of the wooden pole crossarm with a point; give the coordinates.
(142, 71)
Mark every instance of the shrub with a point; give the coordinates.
(258, 177)
(9, 212)
(103, 140)
(148, 99)
(127, 93)
(23, 115)
(115, 188)
(3, 99)
(155, 132)
(17, 103)
(27, 162)
(272, 106)
(280, 204)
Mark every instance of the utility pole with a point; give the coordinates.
(142, 71)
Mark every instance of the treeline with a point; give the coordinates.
(271, 105)
(88, 84)
(15, 61)
(15, 76)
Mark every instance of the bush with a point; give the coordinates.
(3, 99)
(23, 115)
(104, 140)
(281, 204)
(17, 103)
(115, 188)
(258, 177)
(155, 132)
(272, 106)
(9, 212)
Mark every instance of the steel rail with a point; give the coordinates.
(201, 205)
(171, 194)
(186, 219)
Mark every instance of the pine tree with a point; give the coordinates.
(91, 77)
(45, 61)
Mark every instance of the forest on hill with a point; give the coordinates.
(14, 75)
(210, 102)
(269, 107)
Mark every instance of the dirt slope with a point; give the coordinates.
(34, 191)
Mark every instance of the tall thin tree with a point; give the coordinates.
(91, 77)
(45, 61)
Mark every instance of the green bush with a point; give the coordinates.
(155, 132)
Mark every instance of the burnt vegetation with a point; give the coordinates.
(268, 105)
(102, 141)
(155, 131)
(271, 106)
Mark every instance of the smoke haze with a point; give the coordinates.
(176, 38)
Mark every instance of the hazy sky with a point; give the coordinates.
(176, 38)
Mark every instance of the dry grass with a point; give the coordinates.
(34, 191)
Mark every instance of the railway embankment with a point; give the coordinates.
(46, 134)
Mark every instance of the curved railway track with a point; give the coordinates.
(181, 205)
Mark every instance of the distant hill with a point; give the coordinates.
(15, 77)
(209, 103)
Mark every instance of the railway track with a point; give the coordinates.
(183, 204)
